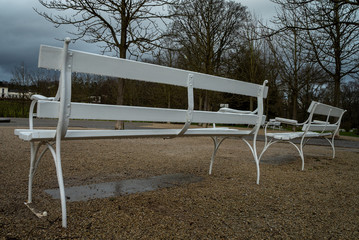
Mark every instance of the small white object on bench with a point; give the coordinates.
(311, 128)
(273, 123)
(60, 107)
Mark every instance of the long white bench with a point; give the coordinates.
(60, 107)
(313, 127)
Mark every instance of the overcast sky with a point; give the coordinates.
(22, 31)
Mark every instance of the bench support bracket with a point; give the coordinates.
(217, 142)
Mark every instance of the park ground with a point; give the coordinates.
(321, 202)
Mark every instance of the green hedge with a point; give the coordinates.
(14, 108)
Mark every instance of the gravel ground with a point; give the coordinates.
(320, 202)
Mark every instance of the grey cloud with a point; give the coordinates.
(22, 31)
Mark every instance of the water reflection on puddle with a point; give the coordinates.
(110, 189)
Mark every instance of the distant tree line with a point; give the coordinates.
(310, 51)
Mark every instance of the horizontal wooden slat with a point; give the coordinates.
(115, 67)
(320, 127)
(49, 109)
(48, 134)
(286, 121)
(324, 109)
(293, 135)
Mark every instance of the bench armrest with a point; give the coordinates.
(286, 121)
(231, 110)
(38, 97)
(320, 122)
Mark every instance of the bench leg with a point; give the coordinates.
(254, 153)
(300, 151)
(217, 142)
(57, 158)
(34, 162)
(32, 170)
(267, 144)
(332, 144)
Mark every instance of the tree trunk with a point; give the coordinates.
(251, 104)
(123, 50)
(205, 105)
(120, 96)
(336, 91)
(294, 107)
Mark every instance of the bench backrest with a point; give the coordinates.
(82, 62)
(333, 117)
(68, 61)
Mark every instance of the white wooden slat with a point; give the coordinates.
(286, 136)
(50, 57)
(49, 109)
(320, 127)
(324, 109)
(317, 134)
(116, 67)
(48, 134)
(286, 121)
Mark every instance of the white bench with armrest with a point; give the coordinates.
(311, 128)
(60, 107)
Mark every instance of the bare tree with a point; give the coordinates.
(43, 81)
(203, 31)
(350, 100)
(21, 79)
(124, 27)
(251, 52)
(332, 34)
(294, 63)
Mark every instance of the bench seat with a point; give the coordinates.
(292, 135)
(49, 134)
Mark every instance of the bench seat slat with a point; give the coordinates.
(292, 135)
(48, 134)
(49, 109)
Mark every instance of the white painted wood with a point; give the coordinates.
(324, 109)
(49, 109)
(286, 121)
(286, 136)
(115, 67)
(320, 127)
(48, 134)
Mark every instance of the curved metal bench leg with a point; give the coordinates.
(300, 151)
(57, 158)
(266, 146)
(255, 156)
(31, 172)
(332, 144)
(217, 142)
(34, 162)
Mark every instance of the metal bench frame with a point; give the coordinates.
(311, 128)
(61, 108)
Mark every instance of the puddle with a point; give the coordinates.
(124, 187)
